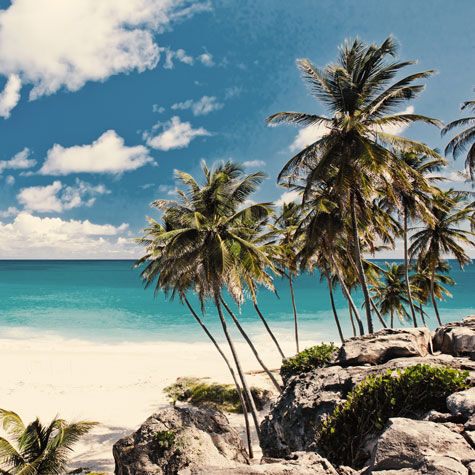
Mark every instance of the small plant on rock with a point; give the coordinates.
(372, 403)
(164, 440)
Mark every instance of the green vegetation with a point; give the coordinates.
(367, 409)
(164, 440)
(223, 397)
(310, 358)
(36, 449)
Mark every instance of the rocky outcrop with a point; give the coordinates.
(462, 403)
(178, 439)
(384, 345)
(456, 338)
(421, 447)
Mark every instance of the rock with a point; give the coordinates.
(470, 424)
(470, 437)
(435, 416)
(307, 398)
(471, 468)
(421, 446)
(179, 438)
(456, 338)
(462, 403)
(384, 345)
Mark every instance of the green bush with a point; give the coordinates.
(164, 440)
(367, 409)
(308, 359)
(223, 397)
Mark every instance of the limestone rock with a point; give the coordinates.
(470, 424)
(420, 446)
(179, 438)
(462, 403)
(384, 345)
(456, 338)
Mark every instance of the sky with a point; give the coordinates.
(101, 100)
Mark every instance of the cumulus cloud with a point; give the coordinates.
(58, 197)
(18, 161)
(254, 163)
(288, 197)
(179, 55)
(29, 236)
(53, 44)
(202, 106)
(10, 180)
(10, 95)
(11, 211)
(107, 154)
(158, 109)
(175, 134)
(206, 59)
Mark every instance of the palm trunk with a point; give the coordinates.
(406, 272)
(432, 296)
(274, 339)
(231, 370)
(350, 300)
(359, 263)
(378, 313)
(334, 309)
(251, 345)
(422, 314)
(295, 312)
(392, 316)
(247, 391)
(351, 318)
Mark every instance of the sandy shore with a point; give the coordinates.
(117, 385)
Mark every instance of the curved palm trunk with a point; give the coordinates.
(359, 264)
(421, 311)
(251, 345)
(334, 309)
(350, 312)
(432, 296)
(247, 391)
(231, 370)
(406, 272)
(378, 313)
(392, 317)
(350, 301)
(274, 339)
(296, 331)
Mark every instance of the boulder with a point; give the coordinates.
(307, 398)
(420, 446)
(384, 345)
(456, 338)
(462, 403)
(179, 438)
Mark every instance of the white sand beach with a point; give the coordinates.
(117, 385)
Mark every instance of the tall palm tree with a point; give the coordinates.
(355, 154)
(36, 449)
(444, 237)
(464, 139)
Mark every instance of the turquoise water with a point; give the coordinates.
(106, 301)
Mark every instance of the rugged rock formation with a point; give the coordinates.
(456, 338)
(176, 438)
(462, 403)
(384, 345)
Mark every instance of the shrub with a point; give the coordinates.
(164, 440)
(369, 406)
(223, 397)
(308, 359)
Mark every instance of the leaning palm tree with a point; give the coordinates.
(444, 237)
(355, 154)
(35, 449)
(464, 139)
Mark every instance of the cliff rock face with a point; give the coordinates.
(456, 338)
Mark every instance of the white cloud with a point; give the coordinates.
(55, 43)
(176, 134)
(10, 96)
(107, 154)
(288, 197)
(203, 106)
(254, 163)
(18, 161)
(10, 180)
(158, 109)
(206, 59)
(168, 189)
(57, 197)
(29, 236)
(232, 92)
(179, 54)
(11, 211)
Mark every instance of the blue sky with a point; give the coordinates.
(101, 100)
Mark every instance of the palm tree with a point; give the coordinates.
(444, 237)
(355, 154)
(464, 139)
(391, 294)
(210, 244)
(36, 449)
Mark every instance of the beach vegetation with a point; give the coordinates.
(36, 448)
(367, 409)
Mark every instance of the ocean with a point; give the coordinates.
(105, 301)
